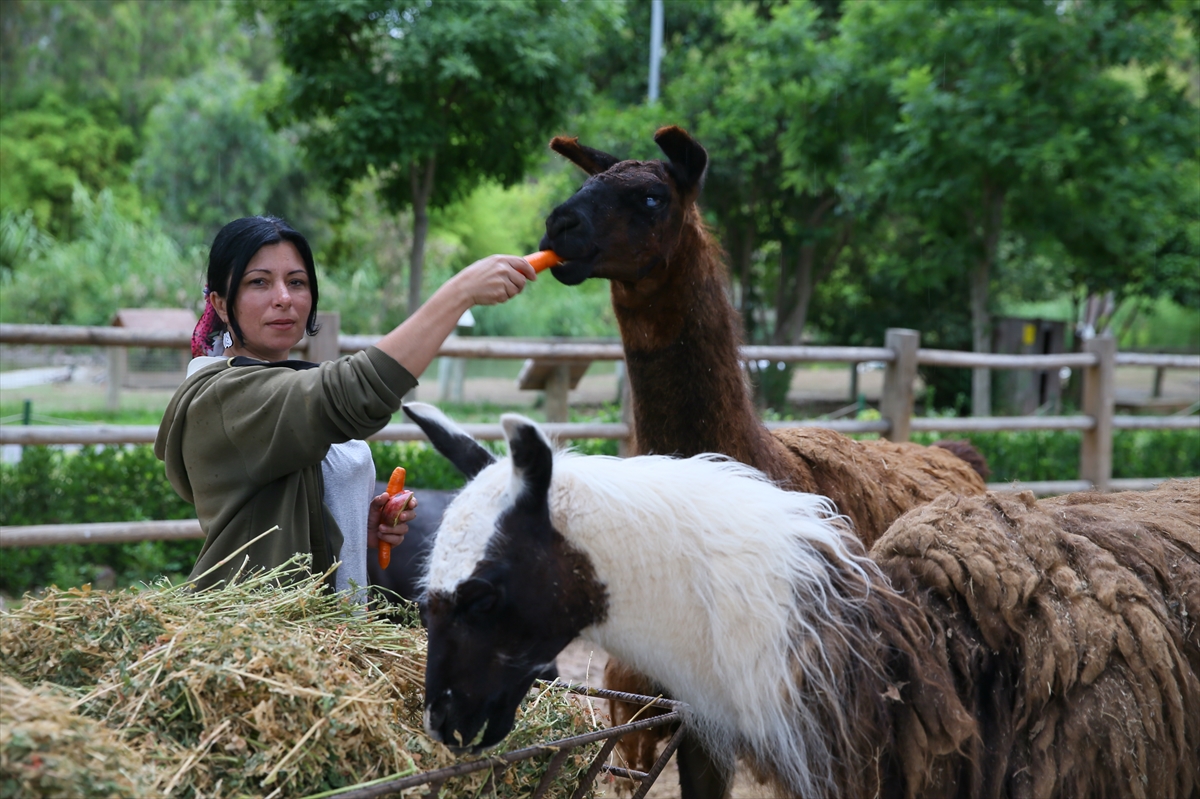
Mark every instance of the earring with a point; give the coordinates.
(227, 340)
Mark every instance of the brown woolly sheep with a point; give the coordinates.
(1069, 628)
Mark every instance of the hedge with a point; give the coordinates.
(99, 484)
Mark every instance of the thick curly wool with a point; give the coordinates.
(1070, 628)
(873, 482)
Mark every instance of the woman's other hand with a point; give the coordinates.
(378, 528)
(495, 279)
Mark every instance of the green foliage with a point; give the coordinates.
(115, 262)
(470, 90)
(1155, 453)
(1054, 454)
(1159, 324)
(211, 155)
(1018, 117)
(424, 467)
(20, 239)
(115, 56)
(49, 486)
(52, 148)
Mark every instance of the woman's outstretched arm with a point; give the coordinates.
(489, 281)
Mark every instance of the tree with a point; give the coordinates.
(1010, 116)
(49, 150)
(114, 56)
(210, 154)
(772, 101)
(433, 98)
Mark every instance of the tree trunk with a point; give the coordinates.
(791, 307)
(981, 275)
(421, 177)
(745, 278)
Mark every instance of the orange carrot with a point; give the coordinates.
(543, 260)
(396, 481)
(395, 486)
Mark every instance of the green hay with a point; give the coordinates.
(270, 687)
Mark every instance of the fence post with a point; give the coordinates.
(1095, 452)
(324, 345)
(896, 405)
(558, 387)
(118, 359)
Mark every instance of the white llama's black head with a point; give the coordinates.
(505, 592)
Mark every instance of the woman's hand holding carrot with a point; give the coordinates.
(388, 520)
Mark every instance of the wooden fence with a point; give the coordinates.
(902, 355)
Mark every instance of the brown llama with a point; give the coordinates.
(636, 224)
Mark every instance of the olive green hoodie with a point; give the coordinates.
(243, 441)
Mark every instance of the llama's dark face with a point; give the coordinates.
(628, 218)
(505, 592)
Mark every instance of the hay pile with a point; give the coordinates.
(247, 690)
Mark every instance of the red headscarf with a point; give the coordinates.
(202, 334)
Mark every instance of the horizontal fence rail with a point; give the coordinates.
(37, 535)
(901, 358)
(37, 435)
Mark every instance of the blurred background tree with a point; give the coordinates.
(433, 99)
(925, 164)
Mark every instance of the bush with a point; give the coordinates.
(425, 468)
(111, 484)
(1035, 455)
(116, 261)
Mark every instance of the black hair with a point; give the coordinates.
(234, 247)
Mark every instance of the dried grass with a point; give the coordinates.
(268, 687)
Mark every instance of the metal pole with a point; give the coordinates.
(656, 34)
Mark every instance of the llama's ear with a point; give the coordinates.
(591, 161)
(688, 160)
(532, 459)
(467, 455)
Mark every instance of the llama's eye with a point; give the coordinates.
(478, 598)
(482, 604)
(652, 202)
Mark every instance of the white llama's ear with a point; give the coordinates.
(532, 460)
(467, 454)
(688, 160)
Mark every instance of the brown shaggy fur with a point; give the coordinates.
(1068, 628)
(690, 395)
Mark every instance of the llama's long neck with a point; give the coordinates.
(681, 337)
(749, 606)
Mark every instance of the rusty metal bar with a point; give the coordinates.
(660, 764)
(551, 772)
(624, 773)
(589, 777)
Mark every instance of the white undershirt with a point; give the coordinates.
(349, 474)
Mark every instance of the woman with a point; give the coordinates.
(255, 440)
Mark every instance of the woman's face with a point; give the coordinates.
(273, 303)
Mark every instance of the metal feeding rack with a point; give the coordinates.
(558, 751)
